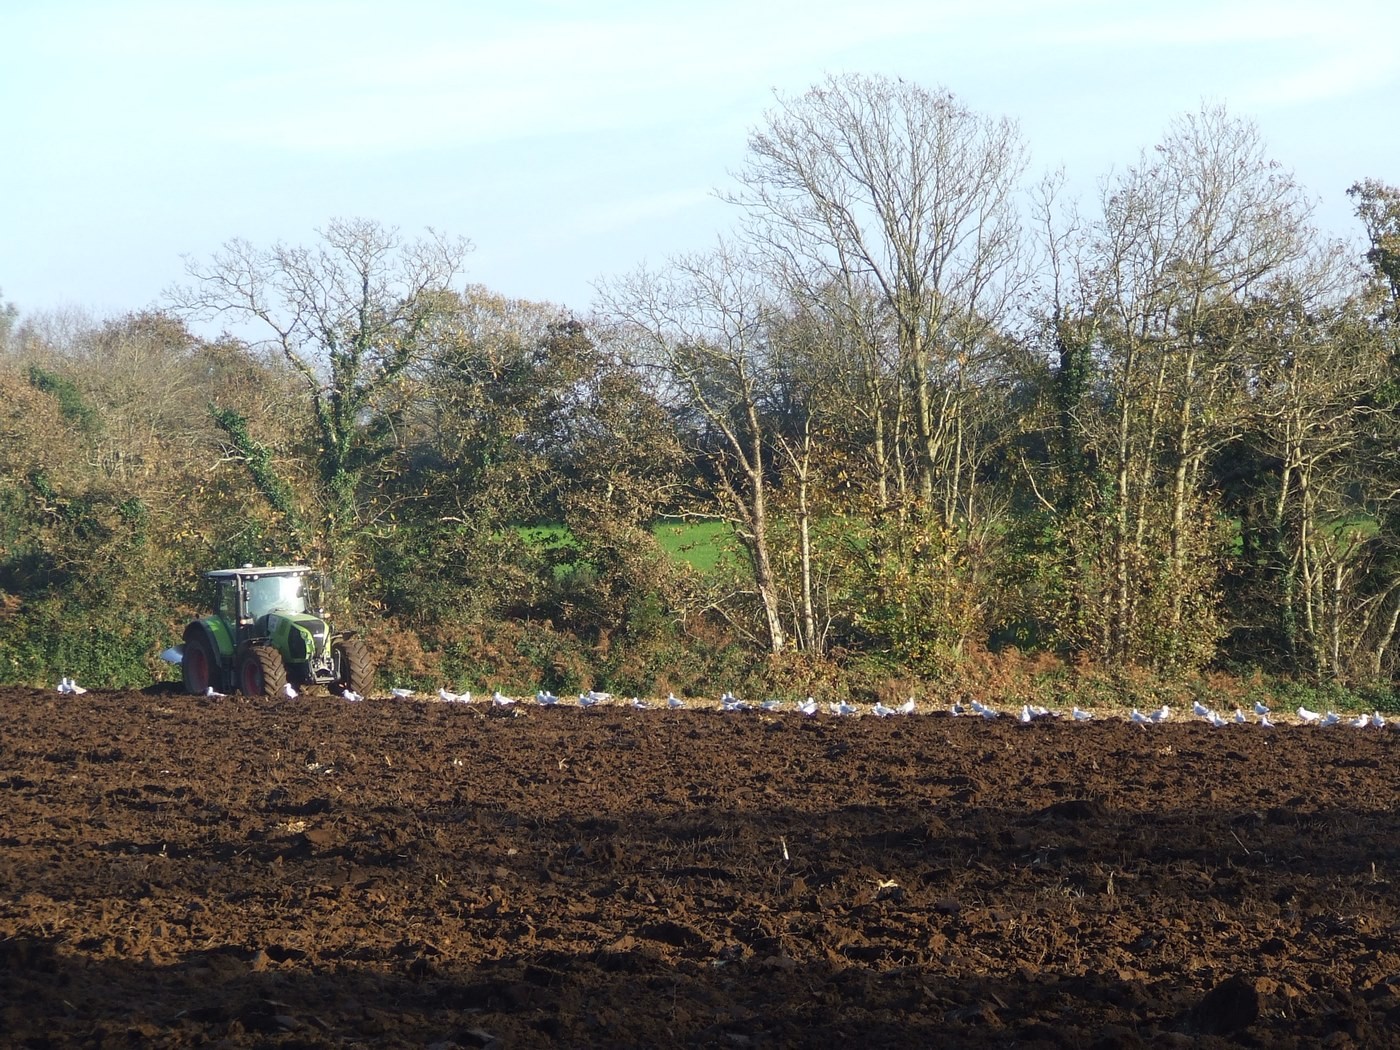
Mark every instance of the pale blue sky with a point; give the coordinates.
(573, 141)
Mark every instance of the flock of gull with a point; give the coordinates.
(973, 709)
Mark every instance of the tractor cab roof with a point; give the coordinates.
(255, 571)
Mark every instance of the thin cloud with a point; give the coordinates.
(1204, 24)
(1321, 80)
(619, 214)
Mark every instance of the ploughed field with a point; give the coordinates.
(179, 871)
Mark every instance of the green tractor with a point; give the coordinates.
(266, 632)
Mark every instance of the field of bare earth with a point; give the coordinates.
(183, 871)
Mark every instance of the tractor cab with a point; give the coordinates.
(244, 598)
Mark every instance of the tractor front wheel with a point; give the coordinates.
(262, 672)
(197, 666)
(356, 671)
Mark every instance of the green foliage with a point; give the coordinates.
(518, 658)
(912, 594)
(43, 641)
(78, 594)
(1378, 208)
(71, 403)
(258, 459)
(1166, 476)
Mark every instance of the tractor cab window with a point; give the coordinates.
(281, 594)
(226, 601)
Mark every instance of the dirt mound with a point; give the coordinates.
(316, 873)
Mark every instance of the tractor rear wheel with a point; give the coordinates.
(356, 671)
(197, 666)
(262, 672)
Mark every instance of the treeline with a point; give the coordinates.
(962, 429)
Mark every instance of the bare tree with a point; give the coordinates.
(700, 329)
(868, 186)
(349, 315)
(1159, 297)
(1316, 416)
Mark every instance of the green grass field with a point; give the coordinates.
(701, 545)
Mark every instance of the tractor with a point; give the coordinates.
(266, 632)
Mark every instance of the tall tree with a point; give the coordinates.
(1331, 581)
(1378, 208)
(868, 185)
(700, 329)
(349, 315)
(1202, 226)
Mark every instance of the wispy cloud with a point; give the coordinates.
(1322, 78)
(571, 134)
(612, 215)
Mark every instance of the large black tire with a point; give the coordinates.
(356, 669)
(197, 665)
(262, 672)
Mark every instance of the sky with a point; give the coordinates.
(573, 142)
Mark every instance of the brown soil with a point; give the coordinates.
(180, 871)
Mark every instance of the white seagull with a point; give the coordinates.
(1308, 716)
(1264, 721)
(401, 693)
(1261, 708)
(1199, 709)
(214, 694)
(881, 711)
(352, 696)
(1377, 720)
(730, 702)
(500, 699)
(1360, 722)
(1162, 713)
(1214, 719)
(1240, 716)
(843, 708)
(1080, 715)
(545, 698)
(1140, 718)
(808, 706)
(771, 705)
(1026, 716)
(673, 701)
(638, 703)
(447, 696)
(906, 708)
(288, 691)
(1331, 719)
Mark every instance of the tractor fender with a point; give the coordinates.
(216, 635)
